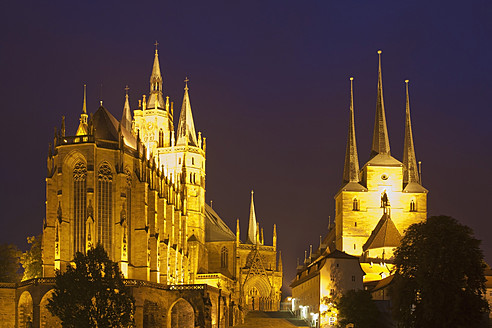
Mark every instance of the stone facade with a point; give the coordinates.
(137, 186)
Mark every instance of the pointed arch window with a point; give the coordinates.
(104, 206)
(356, 205)
(224, 257)
(129, 209)
(79, 205)
(413, 206)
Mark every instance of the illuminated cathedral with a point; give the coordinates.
(136, 185)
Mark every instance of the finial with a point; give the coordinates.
(156, 44)
(406, 81)
(101, 102)
(252, 192)
(351, 78)
(126, 89)
(380, 51)
(186, 83)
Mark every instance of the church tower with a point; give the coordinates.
(384, 189)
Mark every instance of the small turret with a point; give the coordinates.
(186, 128)
(252, 233)
(238, 240)
(274, 236)
(83, 128)
(126, 118)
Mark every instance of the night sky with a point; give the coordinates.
(269, 88)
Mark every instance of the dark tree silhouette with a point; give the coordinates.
(358, 308)
(9, 263)
(439, 279)
(91, 293)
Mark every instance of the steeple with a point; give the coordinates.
(83, 128)
(380, 139)
(252, 233)
(126, 118)
(156, 99)
(410, 169)
(186, 128)
(351, 167)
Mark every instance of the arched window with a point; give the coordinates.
(104, 206)
(413, 206)
(129, 209)
(355, 205)
(79, 205)
(224, 257)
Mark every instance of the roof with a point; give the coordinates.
(336, 254)
(384, 160)
(384, 235)
(106, 128)
(414, 187)
(215, 227)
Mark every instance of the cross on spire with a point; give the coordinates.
(126, 89)
(156, 44)
(186, 80)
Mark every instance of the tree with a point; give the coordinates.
(9, 263)
(91, 293)
(439, 276)
(31, 260)
(358, 308)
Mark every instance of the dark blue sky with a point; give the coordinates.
(269, 89)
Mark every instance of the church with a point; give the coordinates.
(136, 185)
(373, 207)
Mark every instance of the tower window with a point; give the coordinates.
(355, 224)
(179, 161)
(193, 161)
(224, 257)
(355, 205)
(354, 246)
(413, 206)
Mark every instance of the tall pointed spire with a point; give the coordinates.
(410, 169)
(380, 139)
(83, 128)
(351, 167)
(252, 227)
(186, 128)
(126, 118)
(156, 99)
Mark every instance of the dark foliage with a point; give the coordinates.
(9, 263)
(91, 293)
(439, 279)
(358, 308)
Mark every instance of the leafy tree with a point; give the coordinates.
(91, 293)
(358, 308)
(31, 260)
(9, 263)
(439, 279)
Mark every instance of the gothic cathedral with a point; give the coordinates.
(137, 187)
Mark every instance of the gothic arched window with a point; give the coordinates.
(104, 206)
(129, 209)
(224, 257)
(413, 206)
(79, 205)
(355, 205)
